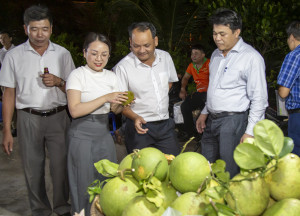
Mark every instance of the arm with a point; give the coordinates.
(256, 92)
(283, 91)
(78, 108)
(138, 120)
(184, 83)
(8, 105)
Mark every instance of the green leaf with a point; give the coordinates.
(107, 168)
(248, 156)
(268, 137)
(218, 166)
(217, 192)
(223, 176)
(288, 146)
(225, 210)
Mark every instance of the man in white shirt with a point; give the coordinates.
(237, 93)
(41, 105)
(6, 41)
(148, 72)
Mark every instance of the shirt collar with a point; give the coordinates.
(236, 48)
(137, 62)
(29, 47)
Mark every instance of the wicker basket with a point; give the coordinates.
(96, 208)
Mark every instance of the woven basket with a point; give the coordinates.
(96, 208)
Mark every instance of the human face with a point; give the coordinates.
(224, 38)
(5, 40)
(97, 55)
(197, 56)
(143, 46)
(39, 33)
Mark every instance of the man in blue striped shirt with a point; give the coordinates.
(289, 81)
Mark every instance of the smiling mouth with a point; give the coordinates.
(98, 65)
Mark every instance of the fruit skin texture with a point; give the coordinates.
(252, 197)
(126, 162)
(140, 206)
(285, 181)
(130, 96)
(116, 194)
(145, 161)
(169, 192)
(285, 207)
(189, 203)
(188, 170)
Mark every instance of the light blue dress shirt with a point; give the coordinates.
(237, 82)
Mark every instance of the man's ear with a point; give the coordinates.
(25, 29)
(237, 33)
(156, 41)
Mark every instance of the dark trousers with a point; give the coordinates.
(294, 131)
(35, 134)
(220, 138)
(160, 135)
(192, 102)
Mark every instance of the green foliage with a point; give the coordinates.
(67, 41)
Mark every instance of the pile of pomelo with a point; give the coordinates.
(148, 182)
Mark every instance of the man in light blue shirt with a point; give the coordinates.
(237, 93)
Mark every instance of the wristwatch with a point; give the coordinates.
(62, 83)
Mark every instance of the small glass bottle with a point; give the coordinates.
(46, 71)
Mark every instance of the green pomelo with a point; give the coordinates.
(116, 194)
(169, 193)
(130, 96)
(140, 206)
(190, 204)
(126, 162)
(285, 207)
(188, 170)
(284, 182)
(251, 196)
(147, 161)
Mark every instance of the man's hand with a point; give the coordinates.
(50, 80)
(200, 123)
(8, 142)
(244, 137)
(182, 93)
(138, 122)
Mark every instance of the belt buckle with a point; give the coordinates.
(44, 114)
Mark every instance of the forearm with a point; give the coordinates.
(116, 108)
(8, 105)
(85, 108)
(127, 112)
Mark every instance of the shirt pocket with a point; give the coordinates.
(164, 80)
(230, 79)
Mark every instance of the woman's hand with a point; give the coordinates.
(117, 97)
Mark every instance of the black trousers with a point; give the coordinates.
(160, 135)
(192, 102)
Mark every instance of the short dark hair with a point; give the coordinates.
(142, 27)
(294, 29)
(198, 47)
(93, 36)
(230, 18)
(37, 13)
(6, 32)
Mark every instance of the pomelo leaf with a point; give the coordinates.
(248, 156)
(107, 168)
(218, 166)
(223, 176)
(268, 137)
(217, 192)
(288, 146)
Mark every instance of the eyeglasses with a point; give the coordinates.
(104, 55)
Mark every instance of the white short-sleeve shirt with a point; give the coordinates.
(93, 84)
(22, 67)
(150, 85)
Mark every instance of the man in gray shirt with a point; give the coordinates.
(237, 93)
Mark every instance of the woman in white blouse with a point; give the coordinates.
(92, 92)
